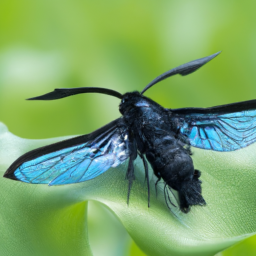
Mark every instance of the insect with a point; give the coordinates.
(146, 130)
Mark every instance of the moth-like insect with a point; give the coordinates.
(149, 131)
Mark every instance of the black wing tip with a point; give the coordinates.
(10, 175)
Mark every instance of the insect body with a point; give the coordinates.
(150, 128)
(146, 130)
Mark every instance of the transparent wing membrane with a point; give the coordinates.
(219, 132)
(77, 163)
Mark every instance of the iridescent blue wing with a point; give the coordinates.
(74, 160)
(221, 128)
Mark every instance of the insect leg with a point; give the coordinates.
(168, 196)
(130, 171)
(166, 201)
(130, 177)
(146, 175)
(173, 196)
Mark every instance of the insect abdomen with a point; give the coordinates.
(172, 162)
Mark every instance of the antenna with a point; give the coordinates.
(183, 70)
(66, 92)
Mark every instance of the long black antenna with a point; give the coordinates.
(65, 92)
(183, 70)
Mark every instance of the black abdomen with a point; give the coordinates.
(172, 162)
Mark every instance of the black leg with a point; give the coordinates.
(130, 177)
(146, 175)
(167, 192)
(130, 171)
(166, 196)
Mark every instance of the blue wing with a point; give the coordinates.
(222, 128)
(75, 160)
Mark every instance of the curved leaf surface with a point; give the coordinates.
(41, 218)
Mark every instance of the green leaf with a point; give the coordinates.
(42, 220)
(37, 220)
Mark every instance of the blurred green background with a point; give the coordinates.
(121, 45)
